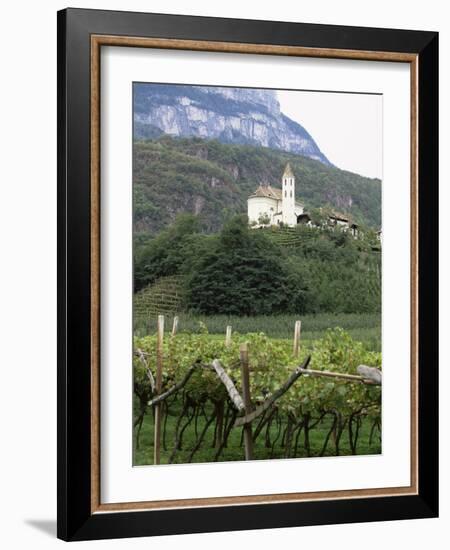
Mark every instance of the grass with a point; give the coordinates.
(234, 451)
(364, 327)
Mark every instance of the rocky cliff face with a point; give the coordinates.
(230, 115)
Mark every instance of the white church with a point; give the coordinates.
(272, 206)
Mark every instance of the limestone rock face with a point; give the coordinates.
(230, 115)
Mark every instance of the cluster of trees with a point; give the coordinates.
(242, 271)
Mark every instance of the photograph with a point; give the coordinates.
(221, 265)
(247, 272)
(257, 273)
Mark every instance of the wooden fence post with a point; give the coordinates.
(297, 330)
(248, 438)
(228, 337)
(158, 384)
(175, 325)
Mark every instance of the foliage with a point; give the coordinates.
(271, 361)
(303, 407)
(337, 352)
(242, 271)
(212, 179)
(241, 275)
(171, 252)
(264, 219)
(364, 327)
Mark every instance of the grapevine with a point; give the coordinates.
(202, 416)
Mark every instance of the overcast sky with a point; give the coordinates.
(346, 127)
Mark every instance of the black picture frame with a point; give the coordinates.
(75, 518)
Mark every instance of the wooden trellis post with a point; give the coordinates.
(228, 336)
(297, 330)
(158, 384)
(248, 437)
(175, 325)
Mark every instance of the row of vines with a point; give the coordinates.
(315, 417)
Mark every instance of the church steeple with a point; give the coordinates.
(288, 173)
(288, 197)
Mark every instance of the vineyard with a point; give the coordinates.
(162, 297)
(289, 237)
(200, 398)
(363, 327)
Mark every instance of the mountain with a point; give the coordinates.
(214, 179)
(230, 115)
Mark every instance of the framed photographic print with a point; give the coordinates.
(247, 274)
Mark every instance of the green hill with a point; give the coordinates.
(246, 272)
(213, 180)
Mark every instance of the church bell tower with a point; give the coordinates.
(288, 197)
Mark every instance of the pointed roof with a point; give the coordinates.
(288, 173)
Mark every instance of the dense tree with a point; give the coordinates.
(242, 275)
(166, 253)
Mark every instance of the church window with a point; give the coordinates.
(291, 194)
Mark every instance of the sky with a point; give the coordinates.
(346, 127)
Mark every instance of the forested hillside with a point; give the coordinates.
(213, 180)
(247, 272)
